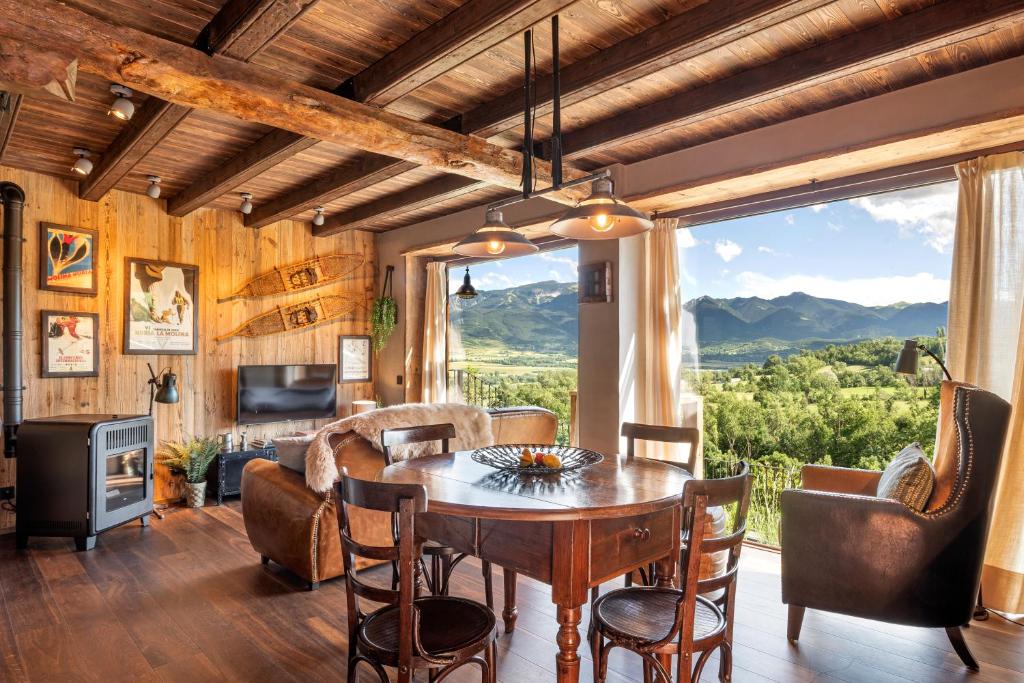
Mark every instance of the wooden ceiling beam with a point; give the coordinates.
(910, 35)
(188, 77)
(10, 105)
(691, 33)
(466, 32)
(240, 30)
(431, 192)
(684, 36)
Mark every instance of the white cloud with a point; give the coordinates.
(818, 208)
(790, 219)
(870, 291)
(766, 250)
(492, 281)
(928, 211)
(727, 250)
(685, 238)
(835, 227)
(572, 263)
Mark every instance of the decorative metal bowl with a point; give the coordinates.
(506, 457)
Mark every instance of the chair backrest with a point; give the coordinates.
(406, 435)
(633, 431)
(698, 496)
(404, 501)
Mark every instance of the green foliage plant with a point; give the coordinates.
(191, 457)
(383, 318)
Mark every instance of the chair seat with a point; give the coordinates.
(435, 548)
(447, 625)
(647, 614)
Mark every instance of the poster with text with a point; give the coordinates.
(70, 344)
(68, 258)
(161, 308)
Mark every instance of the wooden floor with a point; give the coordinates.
(187, 601)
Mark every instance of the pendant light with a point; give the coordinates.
(495, 238)
(154, 186)
(601, 216)
(466, 291)
(82, 165)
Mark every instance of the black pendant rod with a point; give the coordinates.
(527, 123)
(556, 115)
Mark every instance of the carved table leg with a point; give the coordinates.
(666, 570)
(511, 612)
(567, 659)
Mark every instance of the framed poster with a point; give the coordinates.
(71, 345)
(595, 283)
(161, 307)
(67, 259)
(355, 359)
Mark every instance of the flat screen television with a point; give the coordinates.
(278, 393)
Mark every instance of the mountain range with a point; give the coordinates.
(543, 317)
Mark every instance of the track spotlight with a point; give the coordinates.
(82, 165)
(246, 205)
(154, 186)
(122, 107)
(318, 219)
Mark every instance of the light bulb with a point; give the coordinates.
(495, 247)
(82, 165)
(122, 107)
(602, 222)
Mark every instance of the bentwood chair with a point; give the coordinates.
(658, 622)
(845, 550)
(437, 633)
(443, 558)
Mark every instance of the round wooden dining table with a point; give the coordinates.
(572, 530)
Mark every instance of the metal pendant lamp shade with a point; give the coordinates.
(495, 238)
(168, 391)
(467, 290)
(907, 361)
(601, 217)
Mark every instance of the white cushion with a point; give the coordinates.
(291, 450)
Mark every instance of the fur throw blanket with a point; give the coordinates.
(472, 425)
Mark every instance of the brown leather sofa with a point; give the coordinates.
(297, 528)
(846, 551)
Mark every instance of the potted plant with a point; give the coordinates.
(384, 315)
(191, 458)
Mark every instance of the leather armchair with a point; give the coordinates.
(846, 551)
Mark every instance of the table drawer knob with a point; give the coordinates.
(642, 534)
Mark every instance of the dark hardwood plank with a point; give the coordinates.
(240, 30)
(10, 106)
(913, 34)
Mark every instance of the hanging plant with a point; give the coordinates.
(384, 316)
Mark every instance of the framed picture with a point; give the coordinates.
(161, 308)
(355, 359)
(68, 258)
(595, 283)
(71, 345)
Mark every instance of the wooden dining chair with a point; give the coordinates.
(437, 633)
(443, 559)
(689, 435)
(658, 622)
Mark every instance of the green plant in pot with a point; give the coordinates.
(384, 315)
(190, 458)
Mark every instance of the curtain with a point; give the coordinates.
(986, 344)
(435, 329)
(659, 341)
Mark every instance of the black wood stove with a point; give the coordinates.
(79, 475)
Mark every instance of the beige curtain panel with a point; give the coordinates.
(986, 342)
(435, 331)
(659, 341)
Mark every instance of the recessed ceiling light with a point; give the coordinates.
(122, 107)
(82, 165)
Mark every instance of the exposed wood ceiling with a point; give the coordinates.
(640, 78)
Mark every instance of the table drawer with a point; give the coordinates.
(618, 545)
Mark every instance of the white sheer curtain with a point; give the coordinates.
(435, 330)
(986, 342)
(659, 338)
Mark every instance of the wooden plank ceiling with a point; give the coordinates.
(640, 78)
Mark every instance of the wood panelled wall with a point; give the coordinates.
(227, 254)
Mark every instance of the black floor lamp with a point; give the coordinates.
(162, 389)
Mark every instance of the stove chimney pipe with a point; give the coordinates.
(12, 198)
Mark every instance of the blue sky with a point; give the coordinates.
(872, 250)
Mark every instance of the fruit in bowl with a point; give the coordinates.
(527, 458)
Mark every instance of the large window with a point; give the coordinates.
(799, 316)
(516, 342)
